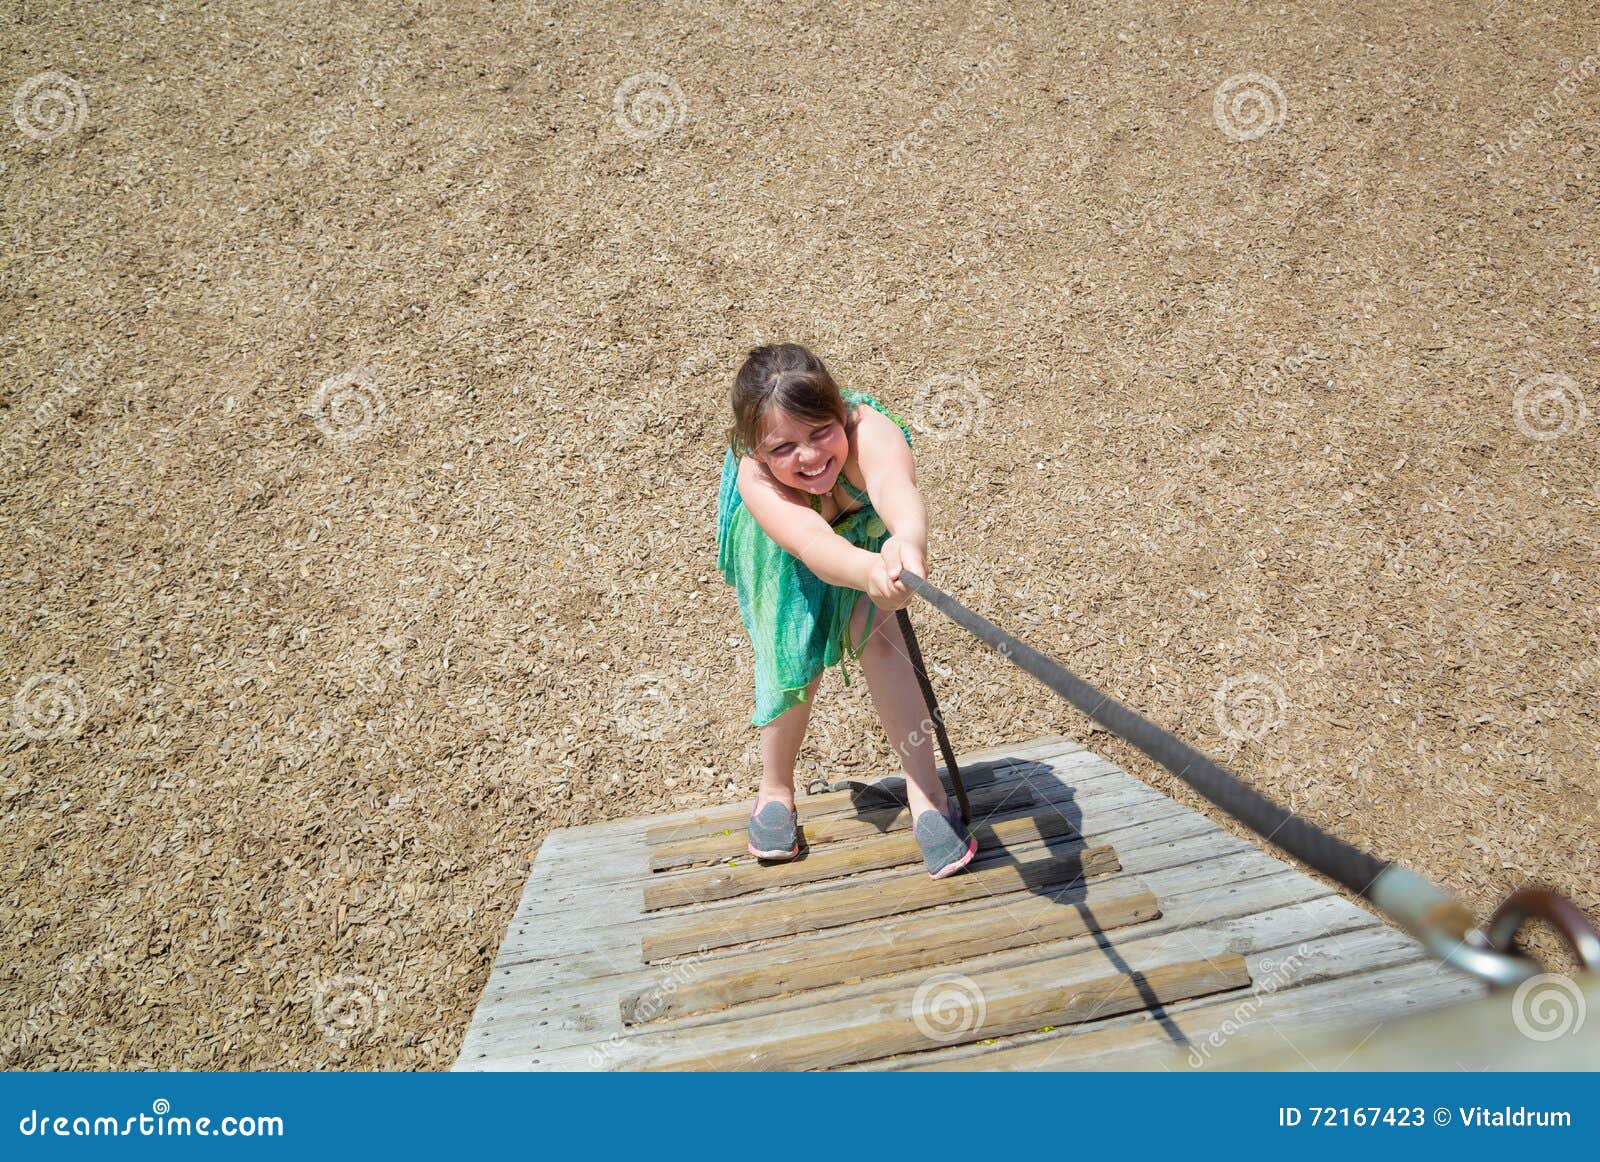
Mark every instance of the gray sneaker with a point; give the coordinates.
(943, 850)
(772, 832)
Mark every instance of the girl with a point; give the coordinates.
(818, 505)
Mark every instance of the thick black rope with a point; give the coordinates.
(934, 716)
(1333, 857)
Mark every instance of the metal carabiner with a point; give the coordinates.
(1448, 929)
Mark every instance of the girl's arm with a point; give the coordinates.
(891, 476)
(800, 531)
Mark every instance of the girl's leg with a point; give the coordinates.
(780, 746)
(895, 693)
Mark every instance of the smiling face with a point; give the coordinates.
(804, 454)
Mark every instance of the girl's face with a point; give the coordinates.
(804, 454)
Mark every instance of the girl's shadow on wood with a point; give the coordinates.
(1004, 790)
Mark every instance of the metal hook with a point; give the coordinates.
(1537, 902)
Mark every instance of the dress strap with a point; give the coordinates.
(855, 493)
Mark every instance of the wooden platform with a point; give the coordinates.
(1102, 926)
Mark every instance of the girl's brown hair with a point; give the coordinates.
(784, 376)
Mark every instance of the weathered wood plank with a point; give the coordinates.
(916, 1022)
(898, 945)
(568, 862)
(699, 886)
(1034, 796)
(1468, 1034)
(570, 993)
(1369, 976)
(730, 843)
(785, 917)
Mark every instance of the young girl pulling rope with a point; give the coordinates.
(819, 504)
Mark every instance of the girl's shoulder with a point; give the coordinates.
(858, 398)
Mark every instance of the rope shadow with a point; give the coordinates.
(1074, 894)
(882, 802)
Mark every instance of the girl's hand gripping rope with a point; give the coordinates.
(884, 585)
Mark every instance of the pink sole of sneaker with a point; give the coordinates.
(972, 850)
(773, 854)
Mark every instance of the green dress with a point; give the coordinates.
(798, 623)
